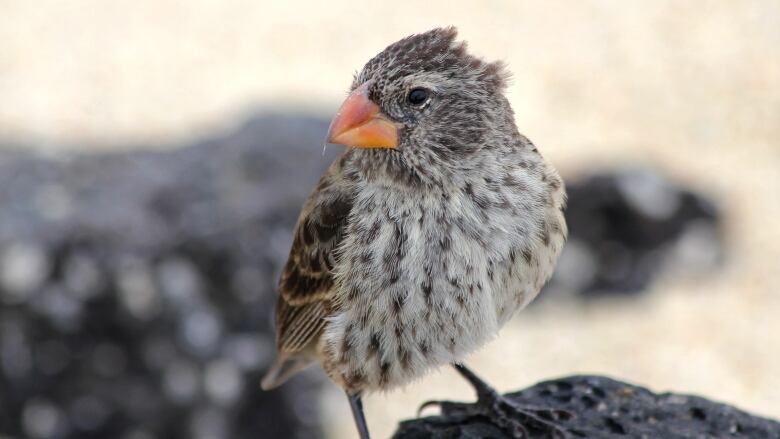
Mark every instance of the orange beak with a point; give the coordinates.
(360, 123)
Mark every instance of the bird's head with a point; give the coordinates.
(424, 102)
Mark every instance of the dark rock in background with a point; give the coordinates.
(626, 227)
(609, 409)
(136, 288)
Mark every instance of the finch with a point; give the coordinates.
(437, 223)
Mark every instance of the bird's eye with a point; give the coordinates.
(417, 96)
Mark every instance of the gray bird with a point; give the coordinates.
(426, 235)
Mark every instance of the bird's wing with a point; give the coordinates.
(306, 285)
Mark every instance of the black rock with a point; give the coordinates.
(137, 288)
(605, 408)
(627, 226)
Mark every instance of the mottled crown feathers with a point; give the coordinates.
(435, 50)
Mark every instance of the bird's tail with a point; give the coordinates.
(283, 368)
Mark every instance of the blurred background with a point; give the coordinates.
(154, 155)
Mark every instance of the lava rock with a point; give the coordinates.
(601, 407)
(137, 288)
(628, 226)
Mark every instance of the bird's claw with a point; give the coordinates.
(517, 419)
(506, 414)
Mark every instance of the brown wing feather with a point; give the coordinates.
(306, 284)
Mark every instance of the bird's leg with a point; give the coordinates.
(356, 404)
(516, 420)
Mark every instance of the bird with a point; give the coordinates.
(435, 225)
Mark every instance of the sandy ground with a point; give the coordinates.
(691, 88)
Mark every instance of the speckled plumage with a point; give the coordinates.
(410, 258)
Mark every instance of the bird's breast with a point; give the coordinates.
(423, 280)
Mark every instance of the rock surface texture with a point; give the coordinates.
(137, 288)
(605, 408)
(629, 225)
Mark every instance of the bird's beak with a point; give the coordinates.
(360, 123)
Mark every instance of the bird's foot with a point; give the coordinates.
(517, 420)
(521, 422)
